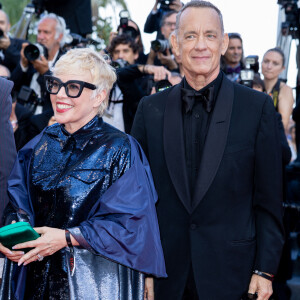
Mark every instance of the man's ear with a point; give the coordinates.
(60, 38)
(225, 43)
(174, 43)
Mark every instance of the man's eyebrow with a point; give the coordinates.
(211, 31)
(190, 32)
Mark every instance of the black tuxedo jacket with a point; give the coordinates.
(235, 225)
(7, 143)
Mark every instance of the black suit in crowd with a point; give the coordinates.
(11, 55)
(231, 222)
(134, 86)
(77, 14)
(7, 144)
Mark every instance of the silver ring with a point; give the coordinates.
(40, 257)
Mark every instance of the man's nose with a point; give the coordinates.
(200, 43)
(121, 55)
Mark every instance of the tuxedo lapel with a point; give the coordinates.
(215, 141)
(174, 146)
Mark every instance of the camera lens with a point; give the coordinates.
(1, 33)
(31, 52)
(160, 45)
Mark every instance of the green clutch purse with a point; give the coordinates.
(16, 233)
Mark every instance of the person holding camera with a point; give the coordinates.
(51, 31)
(132, 83)
(9, 47)
(153, 22)
(160, 52)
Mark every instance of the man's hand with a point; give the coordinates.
(51, 241)
(149, 289)
(154, 9)
(24, 60)
(176, 5)
(4, 42)
(41, 65)
(261, 286)
(159, 73)
(167, 60)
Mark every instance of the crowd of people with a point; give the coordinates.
(83, 132)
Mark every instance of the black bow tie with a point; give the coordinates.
(189, 97)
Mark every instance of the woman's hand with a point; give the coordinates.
(51, 240)
(149, 288)
(12, 255)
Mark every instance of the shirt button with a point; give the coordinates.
(196, 115)
(193, 226)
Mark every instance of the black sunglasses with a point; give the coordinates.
(73, 88)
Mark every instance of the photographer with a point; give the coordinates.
(130, 28)
(153, 21)
(232, 60)
(9, 47)
(132, 83)
(51, 35)
(160, 53)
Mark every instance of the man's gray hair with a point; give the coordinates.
(60, 27)
(198, 4)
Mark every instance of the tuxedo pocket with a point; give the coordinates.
(244, 242)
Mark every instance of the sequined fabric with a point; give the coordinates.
(69, 172)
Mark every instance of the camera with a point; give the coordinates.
(1, 33)
(162, 85)
(251, 68)
(39, 6)
(291, 24)
(29, 98)
(160, 45)
(119, 63)
(165, 4)
(34, 51)
(127, 30)
(76, 40)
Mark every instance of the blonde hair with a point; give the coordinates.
(85, 59)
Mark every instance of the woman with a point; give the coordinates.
(272, 65)
(88, 190)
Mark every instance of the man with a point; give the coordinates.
(125, 48)
(165, 58)
(216, 164)
(9, 47)
(132, 82)
(232, 61)
(153, 21)
(51, 31)
(7, 143)
(51, 34)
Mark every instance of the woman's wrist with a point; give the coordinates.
(264, 275)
